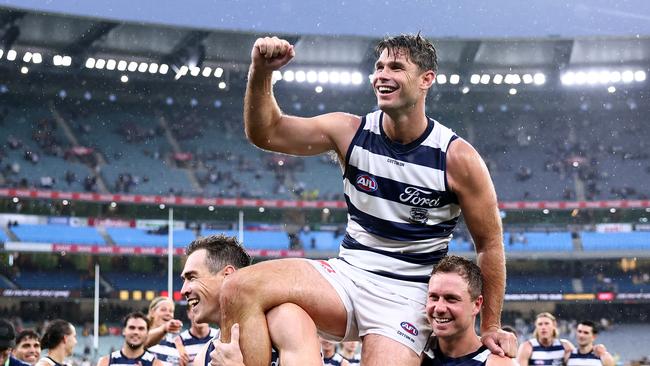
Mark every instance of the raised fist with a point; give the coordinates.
(271, 53)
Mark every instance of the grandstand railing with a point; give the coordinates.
(276, 203)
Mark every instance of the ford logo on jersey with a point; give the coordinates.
(366, 183)
(410, 328)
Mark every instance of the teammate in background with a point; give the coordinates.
(546, 348)
(59, 339)
(349, 351)
(330, 356)
(7, 342)
(454, 302)
(588, 353)
(406, 179)
(161, 316)
(28, 347)
(132, 353)
(210, 263)
(196, 337)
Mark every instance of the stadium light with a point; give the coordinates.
(300, 76)
(539, 78)
(24, 70)
(475, 79)
(312, 76)
(639, 76)
(143, 67)
(100, 63)
(497, 79)
(323, 77)
(11, 55)
(222, 85)
(110, 64)
(346, 78)
(1, 52)
(485, 79)
(288, 76)
(276, 76)
(454, 79)
(57, 60)
(163, 69)
(465, 90)
(527, 78)
(124, 78)
(194, 71)
(27, 57)
(66, 61)
(441, 79)
(512, 91)
(132, 66)
(611, 89)
(90, 63)
(121, 65)
(207, 71)
(181, 72)
(335, 77)
(318, 89)
(218, 72)
(37, 58)
(356, 78)
(153, 68)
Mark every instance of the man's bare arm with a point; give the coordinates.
(269, 128)
(469, 178)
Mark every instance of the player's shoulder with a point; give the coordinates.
(496, 360)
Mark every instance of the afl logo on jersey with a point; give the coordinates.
(410, 328)
(366, 183)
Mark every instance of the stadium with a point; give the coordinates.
(122, 141)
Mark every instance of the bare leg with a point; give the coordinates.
(378, 350)
(294, 334)
(250, 292)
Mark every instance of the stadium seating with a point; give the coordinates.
(592, 241)
(52, 280)
(140, 237)
(62, 234)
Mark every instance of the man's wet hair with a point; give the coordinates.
(54, 333)
(592, 325)
(135, 315)
(467, 269)
(27, 334)
(222, 250)
(420, 51)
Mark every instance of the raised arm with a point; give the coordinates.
(469, 178)
(524, 353)
(605, 357)
(265, 124)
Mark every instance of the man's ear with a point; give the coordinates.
(428, 78)
(228, 270)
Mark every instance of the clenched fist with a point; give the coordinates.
(271, 53)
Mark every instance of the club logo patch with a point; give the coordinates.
(419, 215)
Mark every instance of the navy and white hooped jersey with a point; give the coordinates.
(583, 359)
(166, 350)
(209, 347)
(354, 360)
(335, 360)
(552, 355)
(193, 345)
(117, 358)
(401, 212)
(476, 358)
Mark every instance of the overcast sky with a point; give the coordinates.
(435, 18)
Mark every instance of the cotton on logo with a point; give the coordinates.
(410, 328)
(366, 183)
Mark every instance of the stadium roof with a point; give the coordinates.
(92, 36)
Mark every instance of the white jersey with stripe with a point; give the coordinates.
(117, 358)
(401, 212)
(552, 355)
(583, 359)
(193, 345)
(166, 351)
